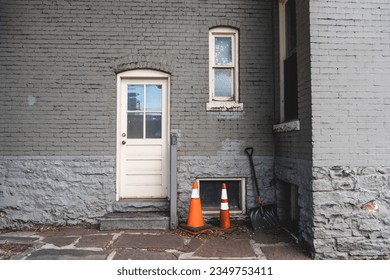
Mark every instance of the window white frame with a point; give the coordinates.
(242, 194)
(295, 124)
(219, 103)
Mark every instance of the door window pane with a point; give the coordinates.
(223, 50)
(153, 125)
(135, 101)
(223, 82)
(135, 125)
(153, 98)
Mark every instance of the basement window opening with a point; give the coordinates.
(287, 206)
(210, 194)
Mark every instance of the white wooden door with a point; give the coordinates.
(143, 145)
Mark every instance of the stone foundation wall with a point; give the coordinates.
(351, 212)
(192, 168)
(55, 190)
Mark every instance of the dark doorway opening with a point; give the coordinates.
(287, 196)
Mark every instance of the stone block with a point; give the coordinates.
(144, 241)
(67, 254)
(225, 249)
(135, 254)
(284, 252)
(332, 255)
(364, 247)
(95, 241)
(322, 185)
(328, 198)
(370, 225)
(60, 241)
(348, 184)
(324, 245)
(52, 194)
(134, 220)
(373, 182)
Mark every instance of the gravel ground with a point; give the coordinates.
(8, 250)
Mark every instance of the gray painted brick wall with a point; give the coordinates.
(350, 66)
(58, 62)
(58, 66)
(343, 89)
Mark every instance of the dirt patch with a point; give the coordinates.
(9, 249)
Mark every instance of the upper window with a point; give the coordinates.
(223, 69)
(288, 61)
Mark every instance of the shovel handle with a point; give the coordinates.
(249, 151)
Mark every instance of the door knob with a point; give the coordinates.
(123, 142)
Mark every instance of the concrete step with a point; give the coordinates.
(141, 205)
(135, 220)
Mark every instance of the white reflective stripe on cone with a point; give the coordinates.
(195, 193)
(224, 194)
(224, 206)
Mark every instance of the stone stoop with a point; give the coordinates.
(135, 220)
(137, 214)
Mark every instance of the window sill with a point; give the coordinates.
(287, 126)
(224, 106)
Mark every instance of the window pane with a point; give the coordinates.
(135, 101)
(153, 125)
(223, 82)
(153, 97)
(223, 50)
(135, 125)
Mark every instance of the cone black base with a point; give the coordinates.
(195, 230)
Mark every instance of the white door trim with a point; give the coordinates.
(139, 74)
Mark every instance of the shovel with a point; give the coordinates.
(263, 216)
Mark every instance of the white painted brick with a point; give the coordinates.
(356, 83)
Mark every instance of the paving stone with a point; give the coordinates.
(18, 239)
(19, 234)
(237, 234)
(60, 241)
(67, 254)
(270, 237)
(284, 252)
(9, 250)
(71, 231)
(97, 241)
(144, 241)
(193, 245)
(226, 248)
(143, 231)
(78, 231)
(134, 254)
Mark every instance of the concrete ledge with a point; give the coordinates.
(225, 106)
(287, 126)
(141, 205)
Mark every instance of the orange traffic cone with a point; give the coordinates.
(224, 214)
(195, 223)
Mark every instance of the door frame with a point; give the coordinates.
(140, 74)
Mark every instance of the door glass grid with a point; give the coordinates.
(144, 111)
